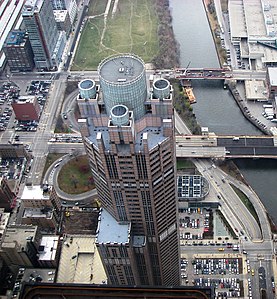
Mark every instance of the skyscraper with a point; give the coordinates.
(40, 24)
(128, 133)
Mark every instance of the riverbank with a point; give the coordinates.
(215, 30)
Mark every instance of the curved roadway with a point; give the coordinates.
(51, 178)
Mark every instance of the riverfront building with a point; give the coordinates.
(39, 20)
(253, 29)
(129, 137)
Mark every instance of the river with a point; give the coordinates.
(215, 107)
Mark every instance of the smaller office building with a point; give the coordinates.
(48, 251)
(63, 21)
(41, 207)
(192, 187)
(272, 80)
(26, 108)
(6, 194)
(18, 51)
(19, 246)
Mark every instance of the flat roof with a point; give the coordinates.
(111, 231)
(254, 18)
(86, 84)
(15, 37)
(255, 90)
(32, 6)
(80, 261)
(60, 15)
(192, 186)
(153, 136)
(18, 233)
(48, 248)
(34, 192)
(121, 69)
(272, 73)
(45, 212)
(236, 17)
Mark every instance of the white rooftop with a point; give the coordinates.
(110, 231)
(34, 192)
(50, 244)
(272, 74)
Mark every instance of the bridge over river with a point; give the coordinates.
(213, 146)
(211, 74)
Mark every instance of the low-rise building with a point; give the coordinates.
(19, 245)
(48, 251)
(41, 206)
(26, 108)
(10, 151)
(272, 80)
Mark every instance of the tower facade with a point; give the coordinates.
(40, 24)
(18, 51)
(128, 136)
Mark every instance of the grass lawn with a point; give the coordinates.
(245, 200)
(133, 29)
(75, 177)
(97, 7)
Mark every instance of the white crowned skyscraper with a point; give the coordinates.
(128, 131)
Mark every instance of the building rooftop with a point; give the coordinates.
(34, 192)
(80, 261)
(86, 84)
(80, 221)
(121, 69)
(45, 212)
(152, 135)
(25, 99)
(9, 12)
(48, 248)
(272, 74)
(19, 233)
(256, 90)
(16, 38)
(192, 187)
(60, 15)
(32, 6)
(111, 231)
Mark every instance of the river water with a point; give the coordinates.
(215, 107)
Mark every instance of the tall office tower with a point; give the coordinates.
(129, 137)
(40, 24)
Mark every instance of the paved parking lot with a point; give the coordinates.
(221, 273)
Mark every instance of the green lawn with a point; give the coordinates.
(97, 7)
(133, 29)
(75, 177)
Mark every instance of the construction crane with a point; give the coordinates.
(185, 71)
